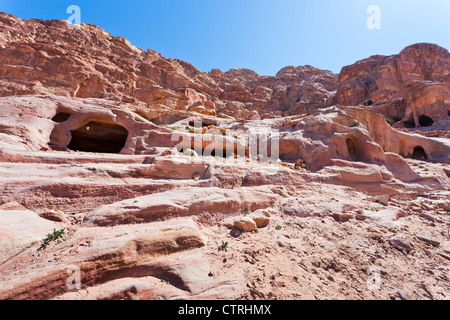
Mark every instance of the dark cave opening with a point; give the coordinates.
(409, 124)
(368, 103)
(61, 117)
(99, 137)
(352, 150)
(425, 121)
(419, 153)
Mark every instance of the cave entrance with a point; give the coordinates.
(99, 137)
(419, 153)
(409, 124)
(352, 150)
(61, 117)
(425, 121)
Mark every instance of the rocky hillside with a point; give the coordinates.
(90, 63)
(412, 89)
(126, 175)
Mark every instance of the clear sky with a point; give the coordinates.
(263, 35)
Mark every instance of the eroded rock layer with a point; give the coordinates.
(411, 89)
(152, 170)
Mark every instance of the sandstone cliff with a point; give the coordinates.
(151, 169)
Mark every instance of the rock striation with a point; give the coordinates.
(173, 183)
(411, 89)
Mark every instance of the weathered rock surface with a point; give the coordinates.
(20, 230)
(91, 63)
(180, 203)
(410, 89)
(98, 138)
(429, 239)
(400, 243)
(245, 224)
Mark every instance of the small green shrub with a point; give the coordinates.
(223, 246)
(51, 237)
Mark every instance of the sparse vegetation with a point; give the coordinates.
(245, 212)
(390, 121)
(51, 237)
(272, 205)
(223, 246)
(278, 227)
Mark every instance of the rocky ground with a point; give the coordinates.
(149, 167)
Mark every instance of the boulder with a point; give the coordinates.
(400, 243)
(245, 224)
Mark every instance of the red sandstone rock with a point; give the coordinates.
(91, 63)
(87, 128)
(411, 87)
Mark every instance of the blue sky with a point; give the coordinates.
(263, 35)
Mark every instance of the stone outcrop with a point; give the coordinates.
(173, 183)
(292, 91)
(43, 123)
(410, 89)
(91, 63)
